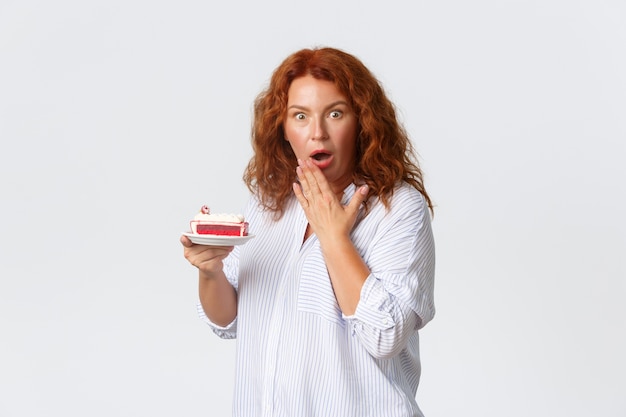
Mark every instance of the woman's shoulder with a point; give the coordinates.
(405, 204)
(404, 188)
(406, 196)
(407, 211)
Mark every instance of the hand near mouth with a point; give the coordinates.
(328, 218)
(332, 223)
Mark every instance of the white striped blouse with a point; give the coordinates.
(297, 354)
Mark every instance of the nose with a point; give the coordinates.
(319, 130)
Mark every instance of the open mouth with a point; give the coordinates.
(320, 156)
(323, 159)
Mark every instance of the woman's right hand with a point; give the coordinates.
(217, 295)
(208, 259)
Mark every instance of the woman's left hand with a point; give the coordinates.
(328, 218)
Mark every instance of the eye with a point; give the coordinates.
(299, 116)
(335, 114)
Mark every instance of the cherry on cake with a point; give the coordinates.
(205, 223)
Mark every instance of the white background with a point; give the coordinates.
(119, 119)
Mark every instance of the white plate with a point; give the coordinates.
(213, 240)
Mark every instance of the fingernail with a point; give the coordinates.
(365, 189)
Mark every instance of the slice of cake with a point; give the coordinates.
(205, 223)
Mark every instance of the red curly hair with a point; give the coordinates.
(385, 155)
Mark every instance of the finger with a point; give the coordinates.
(205, 252)
(319, 178)
(357, 199)
(297, 189)
(215, 251)
(186, 241)
(202, 255)
(303, 178)
(309, 180)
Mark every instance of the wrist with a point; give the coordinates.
(339, 242)
(209, 275)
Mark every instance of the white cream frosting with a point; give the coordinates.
(220, 217)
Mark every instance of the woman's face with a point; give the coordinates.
(321, 125)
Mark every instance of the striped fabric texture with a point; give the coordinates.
(297, 354)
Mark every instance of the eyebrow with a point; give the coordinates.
(331, 105)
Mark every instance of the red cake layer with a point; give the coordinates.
(222, 229)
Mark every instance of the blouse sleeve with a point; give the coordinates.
(397, 297)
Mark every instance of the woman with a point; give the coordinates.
(327, 300)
